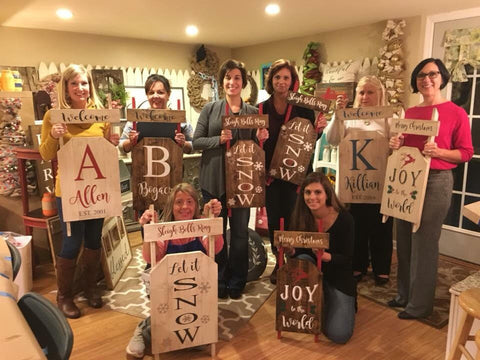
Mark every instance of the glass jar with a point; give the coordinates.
(333, 155)
(326, 153)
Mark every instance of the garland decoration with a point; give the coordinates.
(311, 72)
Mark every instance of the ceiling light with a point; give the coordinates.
(64, 14)
(191, 30)
(272, 9)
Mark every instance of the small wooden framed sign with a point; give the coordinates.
(90, 181)
(302, 239)
(293, 152)
(183, 229)
(157, 166)
(417, 127)
(245, 169)
(330, 91)
(84, 116)
(309, 102)
(365, 113)
(245, 121)
(299, 298)
(156, 115)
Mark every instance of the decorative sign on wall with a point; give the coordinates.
(43, 169)
(116, 253)
(330, 91)
(156, 168)
(362, 163)
(245, 169)
(156, 115)
(294, 149)
(406, 178)
(309, 102)
(299, 298)
(90, 181)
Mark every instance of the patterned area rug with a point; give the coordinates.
(449, 273)
(130, 296)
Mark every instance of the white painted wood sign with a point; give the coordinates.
(90, 179)
(362, 164)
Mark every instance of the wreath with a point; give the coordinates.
(252, 99)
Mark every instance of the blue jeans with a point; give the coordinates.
(338, 311)
(88, 230)
(232, 263)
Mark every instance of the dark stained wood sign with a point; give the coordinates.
(299, 298)
(362, 163)
(245, 121)
(301, 239)
(157, 165)
(293, 152)
(84, 116)
(308, 101)
(245, 174)
(365, 113)
(156, 115)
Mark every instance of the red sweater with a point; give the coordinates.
(454, 132)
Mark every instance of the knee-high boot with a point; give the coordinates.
(91, 261)
(65, 274)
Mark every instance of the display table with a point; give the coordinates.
(472, 281)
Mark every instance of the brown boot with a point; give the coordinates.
(91, 261)
(65, 273)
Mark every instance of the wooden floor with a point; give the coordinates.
(379, 334)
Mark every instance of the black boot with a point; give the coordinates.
(65, 274)
(91, 261)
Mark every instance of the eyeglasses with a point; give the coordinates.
(431, 75)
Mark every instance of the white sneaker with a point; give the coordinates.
(136, 346)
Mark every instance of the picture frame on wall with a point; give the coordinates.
(263, 74)
(175, 102)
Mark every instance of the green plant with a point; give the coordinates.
(118, 92)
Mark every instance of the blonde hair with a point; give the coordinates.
(167, 214)
(375, 82)
(62, 87)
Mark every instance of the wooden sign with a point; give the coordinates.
(84, 116)
(183, 300)
(293, 152)
(157, 165)
(156, 115)
(309, 102)
(362, 163)
(330, 91)
(245, 121)
(472, 212)
(245, 171)
(301, 239)
(299, 298)
(90, 181)
(43, 169)
(417, 127)
(365, 113)
(183, 229)
(116, 253)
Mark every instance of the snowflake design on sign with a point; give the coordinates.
(186, 318)
(228, 154)
(258, 189)
(273, 172)
(258, 166)
(301, 168)
(205, 319)
(307, 147)
(162, 308)
(204, 287)
(283, 128)
(231, 202)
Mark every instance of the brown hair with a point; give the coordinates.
(276, 67)
(229, 65)
(167, 214)
(154, 78)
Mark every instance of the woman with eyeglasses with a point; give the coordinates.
(418, 252)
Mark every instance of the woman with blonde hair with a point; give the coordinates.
(373, 238)
(75, 91)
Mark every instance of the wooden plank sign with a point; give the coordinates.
(417, 127)
(245, 171)
(472, 212)
(90, 181)
(365, 113)
(299, 298)
(43, 169)
(362, 163)
(183, 296)
(156, 115)
(116, 253)
(293, 152)
(84, 116)
(245, 121)
(183, 229)
(309, 102)
(301, 239)
(157, 165)
(330, 91)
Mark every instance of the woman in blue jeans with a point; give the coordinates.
(319, 202)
